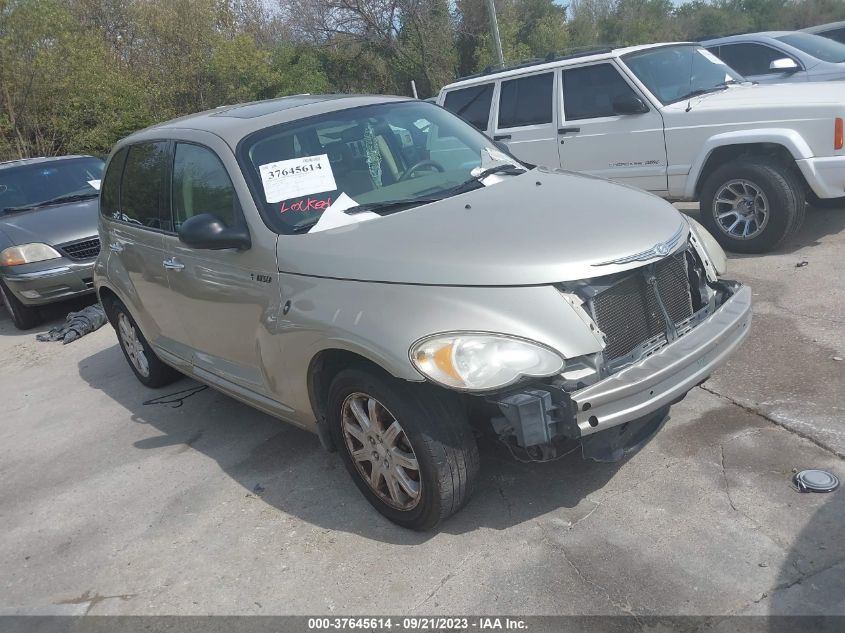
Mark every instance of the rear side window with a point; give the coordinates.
(588, 92)
(201, 185)
(110, 190)
(750, 59)
(142, 189)
(526, 101)
(471, 104)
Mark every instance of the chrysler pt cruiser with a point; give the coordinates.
(376, 271)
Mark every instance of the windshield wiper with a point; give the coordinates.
(703, 91)
(382, 208)
(386, 208)
(476, 181)
(394, 206)
(74, 197)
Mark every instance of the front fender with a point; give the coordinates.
(794, 143)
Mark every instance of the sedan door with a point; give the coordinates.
(227, 298)
(596, 138)
(133, 202)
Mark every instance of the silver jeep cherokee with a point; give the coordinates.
(376, 271)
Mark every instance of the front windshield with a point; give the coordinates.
(816, 45)
(39, 184)
(674, 73)
(377, 155)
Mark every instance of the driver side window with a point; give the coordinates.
(201, 185)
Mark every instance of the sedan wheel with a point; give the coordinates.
(408, 446)
(381, 451)
(132, 345)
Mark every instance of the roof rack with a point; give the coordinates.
(536, 61)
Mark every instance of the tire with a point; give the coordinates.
(776, 186)
(146, 366)
(24, 317)
(432, 424)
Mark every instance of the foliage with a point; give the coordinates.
(76, 75)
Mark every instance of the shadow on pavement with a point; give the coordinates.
(287, 467)
(818, 224)
(811, 580)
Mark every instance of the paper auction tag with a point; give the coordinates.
(297, 177)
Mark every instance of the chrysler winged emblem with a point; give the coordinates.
(658, 250)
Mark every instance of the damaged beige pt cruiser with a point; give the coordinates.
(376, 271)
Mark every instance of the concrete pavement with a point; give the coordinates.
(115, 499)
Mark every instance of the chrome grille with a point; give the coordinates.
(83, 249)
(629, 313)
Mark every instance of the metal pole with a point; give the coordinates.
(494, 31)
(414, 89)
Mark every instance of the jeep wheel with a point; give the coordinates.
(752, 206)
(24, 317)
(408, 447)
(146, 366)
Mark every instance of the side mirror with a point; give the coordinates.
(629, 104)
(208, 232)
(784, 65)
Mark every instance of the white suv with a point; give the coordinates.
(672, 119)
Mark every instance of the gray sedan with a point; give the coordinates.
(781, 56)
(48, 232)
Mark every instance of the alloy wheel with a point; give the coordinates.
(741, 209)
(381, 451)
(133, 345)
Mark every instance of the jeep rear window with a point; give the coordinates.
(471, 104)
(380, 154)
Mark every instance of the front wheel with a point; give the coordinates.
(407, 446)
(752, 205)
(24, 317)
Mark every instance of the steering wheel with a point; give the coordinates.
(423, 163)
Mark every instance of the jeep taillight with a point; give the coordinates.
(838, 135)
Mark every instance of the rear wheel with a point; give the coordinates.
(408, 447)
(24, 317)
(752, 205)
(146, 366)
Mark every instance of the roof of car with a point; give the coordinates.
(746, 37)
(553, 62)
(18, 162)
(233, 122)
(824, 28)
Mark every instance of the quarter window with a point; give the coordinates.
(201, 185)
(110, 190)
(142, 188)
(750, 59)
(589, 92)
(526, 101)
(471, 104)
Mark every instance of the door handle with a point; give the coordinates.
(115, 247)
(567, 130)
(502, 137)
(172, 264)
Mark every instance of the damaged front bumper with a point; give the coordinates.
(639, 394)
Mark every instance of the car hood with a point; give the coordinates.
(52, 225)
(537, 228)
(780, 96)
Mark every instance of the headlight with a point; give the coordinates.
(710, 245)
(480, 362)
(27, 254)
